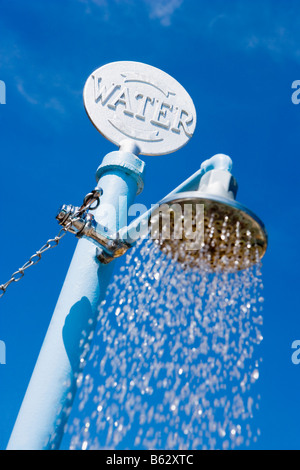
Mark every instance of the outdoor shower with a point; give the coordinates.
(143, 111)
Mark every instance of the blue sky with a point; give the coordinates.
(237, 60)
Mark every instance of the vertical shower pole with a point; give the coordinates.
(50, 393)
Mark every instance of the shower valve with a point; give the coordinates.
(108, 244)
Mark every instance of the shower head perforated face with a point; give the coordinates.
(229, 237)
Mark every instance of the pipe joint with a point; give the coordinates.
(125, 161)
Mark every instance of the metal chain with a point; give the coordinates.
(90, 198)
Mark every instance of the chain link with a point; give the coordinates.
(90, 198)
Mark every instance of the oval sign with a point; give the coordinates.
(132, 100)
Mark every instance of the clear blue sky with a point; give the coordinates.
(237, 60)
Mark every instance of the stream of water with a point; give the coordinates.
(175, 358)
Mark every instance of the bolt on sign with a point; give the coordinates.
(132, 100)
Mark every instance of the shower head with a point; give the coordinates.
(229, 236)
(221, 234)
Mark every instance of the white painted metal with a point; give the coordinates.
(135, 101)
